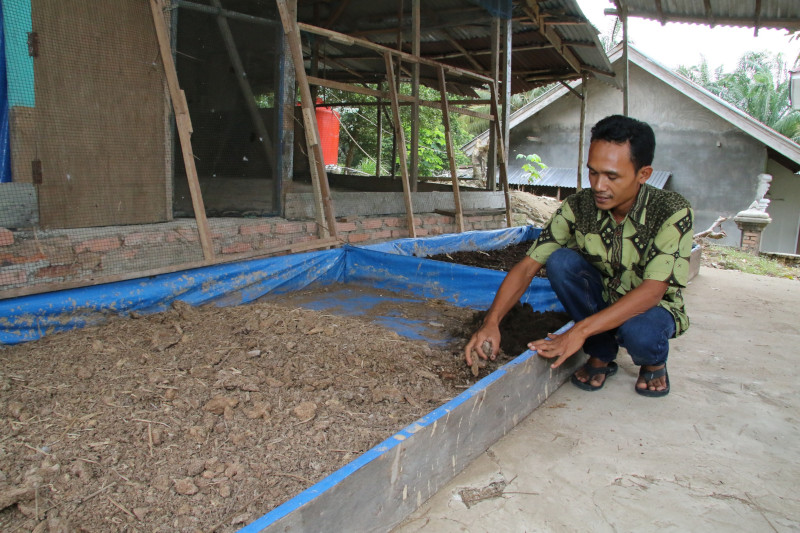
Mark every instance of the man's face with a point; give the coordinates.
(615, 183)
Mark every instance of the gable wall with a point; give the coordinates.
(714, 164)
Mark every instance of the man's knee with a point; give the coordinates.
(646, 337)
(564, 262)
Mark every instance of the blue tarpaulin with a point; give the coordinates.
(31, 317)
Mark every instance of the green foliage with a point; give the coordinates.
(735, 259)
(475, 126)
(533, 167)
(759, 86)
(359, 143)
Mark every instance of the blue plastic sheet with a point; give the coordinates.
(458, 242)
(31, 317)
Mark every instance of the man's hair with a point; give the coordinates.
(619, 129)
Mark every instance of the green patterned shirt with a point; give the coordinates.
(654, 241)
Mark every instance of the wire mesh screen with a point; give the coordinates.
(230, 68)
(96, 187)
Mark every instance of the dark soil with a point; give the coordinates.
(522, 325)
(501, 259)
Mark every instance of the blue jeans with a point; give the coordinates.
(579, 287)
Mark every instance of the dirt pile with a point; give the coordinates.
(537, 209)
(201, 419)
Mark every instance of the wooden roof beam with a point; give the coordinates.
(532, 8)
(406, 57)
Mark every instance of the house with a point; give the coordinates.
(713, 152)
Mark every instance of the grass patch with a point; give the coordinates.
(734, 259)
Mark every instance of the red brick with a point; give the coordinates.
(237, 248)
(393, 222)
(358, 237)
(224, 231)
(6, 237)
(289, 227)
(345, 226)
(372, 223)
(13, 277)
(59, 271)
(189, 234)
(98, 245)
(182, 235)
(399, 233)
(260, 229)
(383, 234)
(421, 232)
(431, 220)
(12, 259)
(135, 239)
(311, 227)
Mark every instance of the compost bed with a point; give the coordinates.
(205, 418)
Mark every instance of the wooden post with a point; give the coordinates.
(451, 156)
(625, 76)
(501, 156)
(401, 143)
(184, 126)
(244, 84)
(319, 177)
(506, 97)
(491, 156)
(582, 134)
(379, 122)
(415, 49)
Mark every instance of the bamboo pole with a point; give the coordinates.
(319, 177)
(582, 135)
(184, 126)
(401, 144)
(244, 84)
(415, 50)
(451, 156)
(502, 155)
(405, 56)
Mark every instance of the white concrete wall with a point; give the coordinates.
(714, 164)
(784, 208)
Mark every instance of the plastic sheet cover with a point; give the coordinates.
(31, 317)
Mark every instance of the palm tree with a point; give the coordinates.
(759, 86)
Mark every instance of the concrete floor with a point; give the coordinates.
(720, 453)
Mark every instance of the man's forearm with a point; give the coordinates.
(511, 290)
(636, 302)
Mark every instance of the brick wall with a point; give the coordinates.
(48, 260)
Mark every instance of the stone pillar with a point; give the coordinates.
(754, 219)
(751, 232)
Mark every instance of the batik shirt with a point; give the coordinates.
(653, 241)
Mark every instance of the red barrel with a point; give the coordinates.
(328, 121)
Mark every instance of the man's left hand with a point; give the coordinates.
(558, 346)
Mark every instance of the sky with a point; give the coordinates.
(676, 44)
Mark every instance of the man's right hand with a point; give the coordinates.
(488, 332)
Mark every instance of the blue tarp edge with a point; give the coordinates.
(336, 477)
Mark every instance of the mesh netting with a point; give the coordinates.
(96, 183)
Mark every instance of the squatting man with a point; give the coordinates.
(617, 256)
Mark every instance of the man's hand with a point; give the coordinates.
(489, 333)
(557, 346)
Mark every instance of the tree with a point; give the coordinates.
(358, 141)
(759, 86)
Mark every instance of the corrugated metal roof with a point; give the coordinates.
(567, 177)
(551, 40)
(781, 14)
